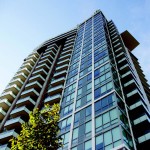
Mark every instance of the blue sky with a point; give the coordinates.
(26, 24)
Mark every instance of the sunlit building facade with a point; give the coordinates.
(92, 72)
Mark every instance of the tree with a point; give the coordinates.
(40, 132)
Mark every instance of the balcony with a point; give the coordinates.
(28, 66)
(58, 81)
(66, 61)
(17, 81)
(44, 66)
(28, 101)
(14, 88)
(22, 76)
(60, 74)
(55, 90)
(33, 56)
(122, 62)
(138, 107)
(144, 120)
(31, 61)
(133, 97)
(60, 68)
(21, 111)
(8, 95)
(4, 147)
(64, 57)
(2, 113)
(127, 76)
(38, 78)
(53, 47)
(31, 92)
(53, 99)
(48, 56)
(13, 123)
(66, 52)
(7, 135)
(130, 85)
(145, 137)
(47, 61)
(24, 70)
(68, 48)
(34, 84)
(69, 43)
(5, 104)
(40, 71)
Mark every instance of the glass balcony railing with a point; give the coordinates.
(5, 136)
(66, 61)
(21, 75)
(31, 61)
(141, 119)
(13, 123)
(63, 67)
(14, 88)
(5, 104)
(45, 66)
(52, 99)
(61, 73)
(64, 57)
(58, 81)
(2, 113)
(145, 137)
(17, 81)
(40, 71)
(25, 102)
(34, 84)
(31, 92)
(4, 147)
(19, 111)
(24, 70)
(47, 61)
(27, 65)
(37, 78)
(56, 89)
(8, 95)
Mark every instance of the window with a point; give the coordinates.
(88, 145)
(67, 110)
(104, 104)
(99, 142)
(65, 138)
(103, 90)
(65, 124)
(70, 97)
(105, 120)
(88, 127)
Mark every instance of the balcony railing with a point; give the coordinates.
(52, 99)
(4, 147)
(31, 61)
(47, 61)
(58, 81)
(5, 104)
(63, 67)
(17, 81)
(60, 74)
(6, 136)
(34, 84)
(13, 123)
(45, 66)
(56, 89)
(25, 102)
(21, 75)
(31, 92)
(145, 137)
(14, 88)
(8, 95)
(40, 71)
(19, 112)
(37, 78)
(2, 113)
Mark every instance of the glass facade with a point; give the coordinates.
(92, 73)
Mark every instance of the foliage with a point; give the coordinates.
(40, 132)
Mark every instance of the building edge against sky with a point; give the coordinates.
(98, 82)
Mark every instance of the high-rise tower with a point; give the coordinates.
(101, 88)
